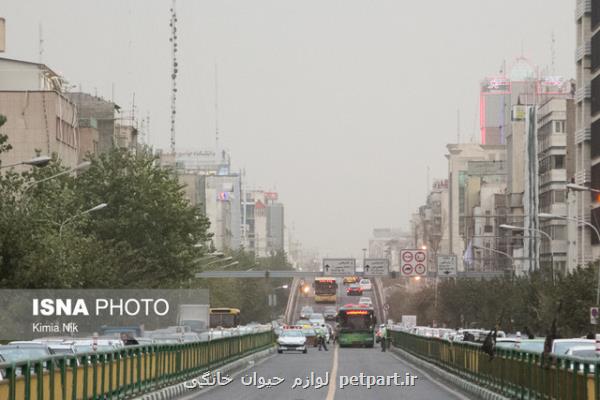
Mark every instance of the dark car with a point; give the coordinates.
(354, 290)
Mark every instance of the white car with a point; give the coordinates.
(291, 340)
(365, 284)
(365, 300)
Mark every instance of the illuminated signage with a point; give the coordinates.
(496, 85)
(358, 312)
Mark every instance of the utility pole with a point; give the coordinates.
(174, 72)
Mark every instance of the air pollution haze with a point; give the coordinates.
(340, 106)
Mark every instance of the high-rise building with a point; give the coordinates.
(554, 126)
(40, 118)
(459, 156)
(587, 17)
(211, 185)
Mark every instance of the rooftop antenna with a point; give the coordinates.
(216, 107)
(173, 40)
(457, 126)
(553, 54)
(41, 43)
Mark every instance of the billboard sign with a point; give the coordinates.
(339, 266)
(446, 265)
(376, 267)
(496, 85)
(413, 262)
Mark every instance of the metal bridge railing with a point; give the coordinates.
(124, 373)
(512, 373)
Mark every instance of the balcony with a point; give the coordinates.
(585, 50)
(583, 135)
(583, 177)
(553, 176)
(583, 7)
(583, 93)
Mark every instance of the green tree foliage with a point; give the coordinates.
(144, 238)
(249, 295)
(531, 302)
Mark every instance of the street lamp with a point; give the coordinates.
(68, 220)
(553, 216)
(39, 161)
(75, 168)
(580, 188)
(512, 259)
(541, 232)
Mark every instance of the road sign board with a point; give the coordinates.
(376, 266)
(407, 269)
(446, 265)
(594, 314)
(414, 262)
(339, 266)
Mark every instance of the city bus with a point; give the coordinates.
(224, 317)
(356, 325)
(325, 290)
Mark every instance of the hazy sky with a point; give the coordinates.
(338, 105)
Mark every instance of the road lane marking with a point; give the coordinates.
(425, 374)
(333, 376)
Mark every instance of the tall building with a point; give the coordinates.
(263, 223)
(485, 181)
(39, 116)
(388, 242)
(459, 156)
(587, 135)
(211, 185)
(554, 125)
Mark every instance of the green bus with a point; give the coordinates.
(356, 325)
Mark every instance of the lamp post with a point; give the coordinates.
(580, 188)
(39, 161)
(71, 219)
(553, 216)
(541, 232)
(75, 168)
(512, 259)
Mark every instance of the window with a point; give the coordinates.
(559, 162)
(595, 95)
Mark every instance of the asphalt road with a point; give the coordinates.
(335, 368)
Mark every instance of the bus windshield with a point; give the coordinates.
(356, 320)
(328, 286)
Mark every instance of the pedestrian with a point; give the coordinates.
(321, 339)
(383, 339)
(128, 340)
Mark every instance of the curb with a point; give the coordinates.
(174, 391)
(465, 385)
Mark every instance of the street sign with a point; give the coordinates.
(339, 266)
(446, 265)
(414, 262)
(376, 267)
(594, 313)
